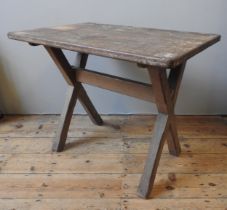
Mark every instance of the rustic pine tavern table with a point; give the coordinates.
(156, 50)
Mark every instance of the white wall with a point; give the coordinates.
(30, 83)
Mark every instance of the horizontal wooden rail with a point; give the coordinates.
(116, 84)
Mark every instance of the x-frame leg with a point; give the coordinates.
(75, 91)
(174, 81)
(165, 92)
(85, 100)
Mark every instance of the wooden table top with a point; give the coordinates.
(147, 46)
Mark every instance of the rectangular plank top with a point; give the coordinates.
(155, 47)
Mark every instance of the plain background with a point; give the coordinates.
(30, 83)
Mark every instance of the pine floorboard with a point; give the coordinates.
(101, 166)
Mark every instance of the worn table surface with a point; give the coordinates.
(156, 47)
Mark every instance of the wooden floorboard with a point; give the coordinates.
(101, 166)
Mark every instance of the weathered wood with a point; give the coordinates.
(85, 100)
(71, 97)
(65, 119)
(75, 90)
(117, 163)
(156, 49)
(63, 65)
(113, 204)
(174, 81)
(147, 46)
(129, 126)
(165, 104)
(175, 78)
(172, 138)
(180, 204)
(217, 122)
(110, 186)
(89, 107)
(154, 154)
(103, 173)
(107, 145)
(117, 84)
(165, 124)
(161, 91)
(67, 204)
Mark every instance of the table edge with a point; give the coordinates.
(149, 61)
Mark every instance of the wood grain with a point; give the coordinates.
(147, 46)
(103, 172)
(113, 204)
(131, 126)
(75, 90)
(63, 65)
(154, 155)
(164, 126)
(83, 96)
(109, 186)
(96, 145)
(65, 119)
(157, 48)
(117, 84)
(71, 97)
(88, 106)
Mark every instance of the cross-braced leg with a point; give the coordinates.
(71, 97)
(164, 122)
(75, 90)
(65, 119)
(154, 154)
(85, 100)
(174, 81)
(89, 107)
